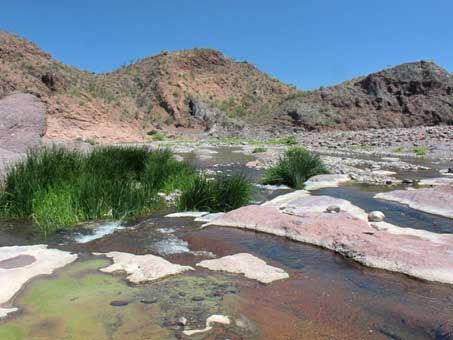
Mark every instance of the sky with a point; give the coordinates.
(307, 43)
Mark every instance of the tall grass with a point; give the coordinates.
(294, 168)
(57, 188)
(217, 194)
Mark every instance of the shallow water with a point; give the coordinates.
(395, 213)
(326, 297)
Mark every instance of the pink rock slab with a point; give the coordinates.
(429, 258)
(437, 200)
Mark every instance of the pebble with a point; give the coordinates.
(119, 303)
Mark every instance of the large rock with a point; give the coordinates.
(429, 258)
(19, 264)
(22, 122)
(247, 264)
(142, 268)
(437, 200)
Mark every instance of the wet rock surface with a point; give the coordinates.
(437, 200)
(19, 264)
(354, 238)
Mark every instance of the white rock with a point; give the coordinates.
(142, 268)
(326, 181)
(216, 318)
(376, 216)
(383, 172)
(43, 261)
(251, 266)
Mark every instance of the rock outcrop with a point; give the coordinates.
(412, 94)
(19, 264)
(423, 255)
(437, 200)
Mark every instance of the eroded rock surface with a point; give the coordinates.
(326, 181)
(429, 258)
(251, 266)
(437, 200)
(142, 268)
(19, 264)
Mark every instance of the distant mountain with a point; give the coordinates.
(412, 94)
(201, 88)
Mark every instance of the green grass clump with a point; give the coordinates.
(288, 140)
(57, 188)
(294, 168)
(420, 151)
(259, 149)
(219, 194)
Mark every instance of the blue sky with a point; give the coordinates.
(307, 43)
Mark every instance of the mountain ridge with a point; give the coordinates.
(161, 92)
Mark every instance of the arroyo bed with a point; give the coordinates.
(326, 295)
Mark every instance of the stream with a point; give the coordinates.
(326, 297)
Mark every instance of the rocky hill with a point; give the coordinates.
(412, 94)
(201, 89)
(159, 91)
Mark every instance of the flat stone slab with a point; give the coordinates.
(251, 266)
(188, 214)
(428, 256)
(326, 181)
(437, 200)
(319, 204)
(282, 201)
(19, 264)
(142, 268)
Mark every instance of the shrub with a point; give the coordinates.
(215, 195)
(294, 168)
(288, 140)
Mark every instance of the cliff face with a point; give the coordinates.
(170, 90)
(412, 94)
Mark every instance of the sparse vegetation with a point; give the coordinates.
(288, 140)
(420, 151)
(294, 168)
(57, 188)
(217, 194)
(259, 149)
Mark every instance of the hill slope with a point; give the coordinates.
(200, 88)
(126, 103)
(412, 94)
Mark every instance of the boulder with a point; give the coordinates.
(22, 122)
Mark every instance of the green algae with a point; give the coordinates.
(75, 304)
